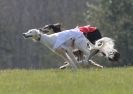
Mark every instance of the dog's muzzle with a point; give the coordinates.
(116, 57)
(26, 36)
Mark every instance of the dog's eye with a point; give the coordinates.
(100, 43)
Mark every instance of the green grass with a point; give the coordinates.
(83, 81)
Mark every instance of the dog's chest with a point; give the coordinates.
(48, 41)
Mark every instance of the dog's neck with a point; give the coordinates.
(39, 37)
(47, 40)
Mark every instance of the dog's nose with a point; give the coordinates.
(23, 34)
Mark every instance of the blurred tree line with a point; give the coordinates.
(17, 16)
(112, 17)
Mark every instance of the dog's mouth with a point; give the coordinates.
(115, 58)
(26, 36)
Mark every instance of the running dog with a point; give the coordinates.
(107, 49)
(63, 43)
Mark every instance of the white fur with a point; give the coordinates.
(106, 46)
(107, 42)
(65, 50)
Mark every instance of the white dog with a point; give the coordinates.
(106, 47)
(63, 43)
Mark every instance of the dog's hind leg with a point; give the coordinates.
(88, 58)
(65, 65)
(95, 64)
(81, 44)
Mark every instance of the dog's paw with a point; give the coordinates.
(62, 67)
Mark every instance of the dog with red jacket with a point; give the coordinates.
(90, 32)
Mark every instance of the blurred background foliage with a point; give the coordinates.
(113, 18)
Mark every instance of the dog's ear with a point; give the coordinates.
(55, 28)
(49, 26)
(43, 30)
(57, 25)
(40, 29)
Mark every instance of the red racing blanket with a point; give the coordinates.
(87, 29)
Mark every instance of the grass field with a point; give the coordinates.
(83, 81)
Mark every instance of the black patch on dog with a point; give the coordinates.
(93, 36)
(55, 28)
(116, 57)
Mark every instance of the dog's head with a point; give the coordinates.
(105, 45)
(33, 33)
(51, 28)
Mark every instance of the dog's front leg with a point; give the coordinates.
(71, 57)
(92, 62)
(66, 54)
(62, 53)
(93, 53)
